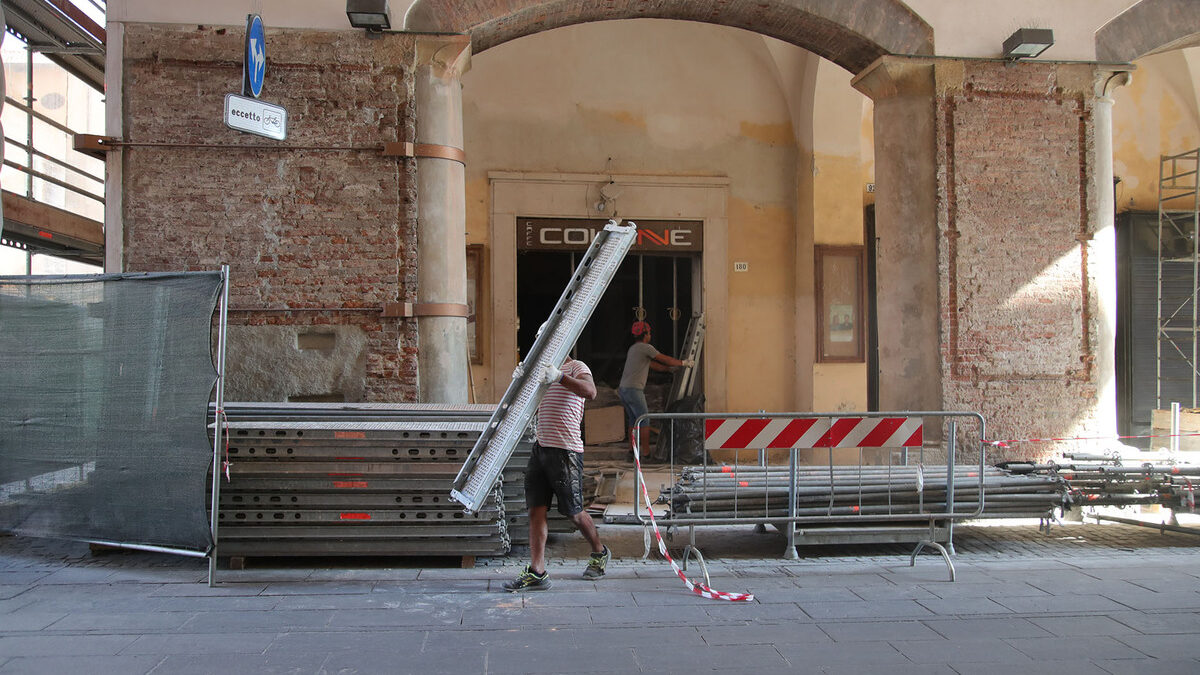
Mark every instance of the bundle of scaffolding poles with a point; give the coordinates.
(764, 491)
(1094, 480)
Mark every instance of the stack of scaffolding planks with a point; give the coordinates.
(359, 479)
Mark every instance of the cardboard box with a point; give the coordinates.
(1189, 423)
(1189, 420)
(603, 425)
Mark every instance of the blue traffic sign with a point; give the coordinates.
(254, 66)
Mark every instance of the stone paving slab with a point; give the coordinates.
(1084, 599)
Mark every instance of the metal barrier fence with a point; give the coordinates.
(875, 487)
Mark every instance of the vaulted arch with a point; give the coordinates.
(851, 33)
(1147, 27)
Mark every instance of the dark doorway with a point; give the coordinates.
(872, 310)
(665, 283)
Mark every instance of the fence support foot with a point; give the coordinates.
(912, 561)
(688, 552)
(790, 553)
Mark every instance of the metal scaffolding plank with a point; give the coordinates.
(684, 382)
(553, 344)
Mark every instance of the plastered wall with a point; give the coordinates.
(643, 94)
(1155, 114)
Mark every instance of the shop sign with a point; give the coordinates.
(576, 234)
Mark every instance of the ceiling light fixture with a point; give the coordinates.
(1027, 43)
(371, 15)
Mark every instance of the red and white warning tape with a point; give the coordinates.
(695, 587)
(1008, 442)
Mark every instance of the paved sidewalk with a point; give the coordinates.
(1083, 599)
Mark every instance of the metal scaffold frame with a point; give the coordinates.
(1178, 325)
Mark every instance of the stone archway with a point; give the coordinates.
(850, 33)
(1148, 27)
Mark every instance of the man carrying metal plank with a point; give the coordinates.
(556, 471)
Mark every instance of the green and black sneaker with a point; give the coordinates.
(527, 580)
(596, 564)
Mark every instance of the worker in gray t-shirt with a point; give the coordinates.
(641, 357)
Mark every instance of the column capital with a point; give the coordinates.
(892, 76)
(449, 56)
(1111, 77)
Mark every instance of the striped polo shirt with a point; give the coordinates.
(560, 414)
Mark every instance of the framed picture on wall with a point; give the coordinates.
(841, 304)
(474, 269)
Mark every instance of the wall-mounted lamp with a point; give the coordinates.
(1027, 43)
(369, 14)
(608, 196)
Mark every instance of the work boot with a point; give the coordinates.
(528, 580)
(596, 564)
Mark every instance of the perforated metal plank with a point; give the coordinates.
(313, 450)
(356, 531)
(684, 380)
(328, 428)
(342, 547)
(554, 341)
(347, 499)
(419, 517)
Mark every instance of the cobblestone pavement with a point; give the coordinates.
(1085, 598)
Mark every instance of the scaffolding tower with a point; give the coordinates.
(1178, 277)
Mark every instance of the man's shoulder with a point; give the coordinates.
(576, 368)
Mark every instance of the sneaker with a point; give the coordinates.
(596, 564)
(528, 581)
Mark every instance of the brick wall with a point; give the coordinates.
(319, 223)
(1016, 215)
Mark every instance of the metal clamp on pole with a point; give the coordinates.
(94, 145)
(424, 151)
(408, 310)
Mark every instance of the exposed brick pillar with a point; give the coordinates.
(995, 179)
(441, 219)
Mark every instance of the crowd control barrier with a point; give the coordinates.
(824, 478)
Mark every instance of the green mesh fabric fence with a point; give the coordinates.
(105, 382)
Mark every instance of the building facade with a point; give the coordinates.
(871, 206)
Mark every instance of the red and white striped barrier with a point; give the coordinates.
(812, 432)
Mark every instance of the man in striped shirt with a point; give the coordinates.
(556, 471)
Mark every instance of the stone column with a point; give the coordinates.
(1104, 249)
(442, 359)
(906, 231)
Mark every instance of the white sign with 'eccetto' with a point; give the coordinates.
(255, 117)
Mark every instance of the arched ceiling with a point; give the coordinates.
(1148, 27)
(851, 33)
